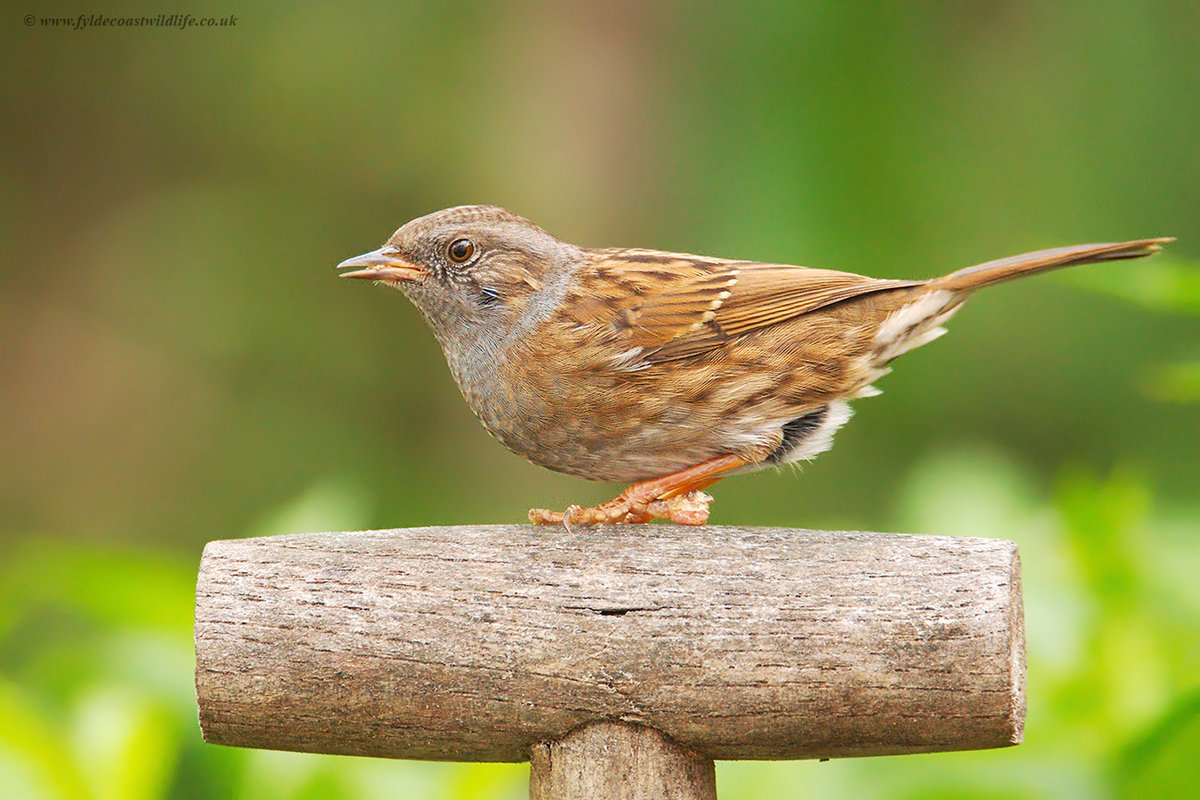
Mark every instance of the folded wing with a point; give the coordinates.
(677, 306)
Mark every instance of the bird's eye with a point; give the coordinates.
(460, 250)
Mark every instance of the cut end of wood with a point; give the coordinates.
(1016, 649)
(207, 732)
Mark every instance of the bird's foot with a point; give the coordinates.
(676, 497)
(689, 508)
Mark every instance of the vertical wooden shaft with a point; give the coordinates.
(619, 761)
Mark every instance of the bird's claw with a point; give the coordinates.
(690, 508)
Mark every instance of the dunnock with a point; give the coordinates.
(664, 370)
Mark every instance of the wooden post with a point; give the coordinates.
(620, 660)
(618, 761)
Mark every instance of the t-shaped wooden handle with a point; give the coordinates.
(481, 643)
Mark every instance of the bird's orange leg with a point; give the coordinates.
(676, 497)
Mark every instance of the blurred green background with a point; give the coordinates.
(178, 361)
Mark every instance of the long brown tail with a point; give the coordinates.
(972, 278)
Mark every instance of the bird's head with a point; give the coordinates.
(473, 271)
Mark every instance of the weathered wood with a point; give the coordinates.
(475, 643)
(619, 761)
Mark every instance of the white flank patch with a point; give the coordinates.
(913, 325)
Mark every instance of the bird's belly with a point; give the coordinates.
(602, 438)
(611, 426)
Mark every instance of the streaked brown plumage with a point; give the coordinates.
(666, 370)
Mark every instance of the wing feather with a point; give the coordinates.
(676, 306)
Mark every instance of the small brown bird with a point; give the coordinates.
(665, 370)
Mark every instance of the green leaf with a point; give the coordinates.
(125, 742)
(1174, 383)
(30, 740)
(1163, 762)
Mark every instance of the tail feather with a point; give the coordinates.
(1004, 269)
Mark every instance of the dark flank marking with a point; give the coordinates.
(796, 431)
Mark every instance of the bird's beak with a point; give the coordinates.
(385, 265)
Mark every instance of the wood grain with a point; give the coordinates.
(476, 643)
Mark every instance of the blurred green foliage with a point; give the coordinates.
(178, 363)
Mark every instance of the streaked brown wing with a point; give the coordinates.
(674, 306)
